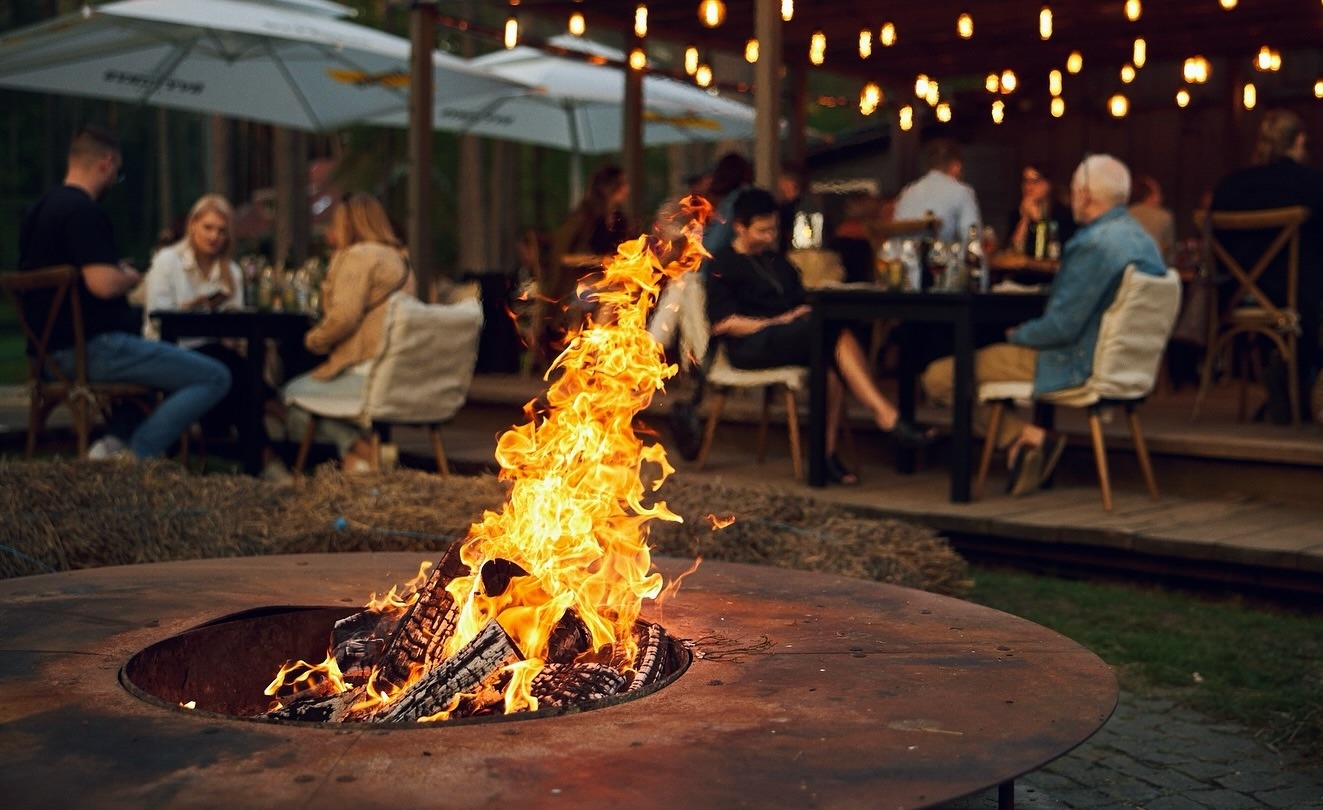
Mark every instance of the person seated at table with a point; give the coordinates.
(853, 237)
(1037, 204)
(67, 227)
(1147, 209)
(368, 265)
(942, 193)
(1055, 350)
(758, 309)
(199, 272)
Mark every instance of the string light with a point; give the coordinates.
(751, 51)
(1074, 62)
(869, 98)
(511, 32)
(818, 48)
(1058, 107)
(992, 83)
(638, 60)
(865, 43)
(1318, 88)
(906, 118)
(1228, 4)
(1045, 23)
(1054, 82)
(576, 24)
(703, 75)
(1268, 59)
(691, 60)
(933, 95)
(1195, 70)
(887, 36)
(641, 20)
(944, 112)
(1249, 95)
(1008, 81)
(712, 13)
(998, 111)
(965, 26)
(787, 10)
(1140, 54)
(1133, 10)
(1182, 98)
(1127, 73)
(921, 85)
(1118, 105)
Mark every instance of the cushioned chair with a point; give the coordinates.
(1250, 311)
(1131, 341)
(48, 386)
(421, 375)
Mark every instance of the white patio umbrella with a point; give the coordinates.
(268, 62)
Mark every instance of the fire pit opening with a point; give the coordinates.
(223, 667)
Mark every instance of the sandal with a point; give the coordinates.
(838, 473)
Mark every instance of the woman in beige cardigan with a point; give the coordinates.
(368, 265)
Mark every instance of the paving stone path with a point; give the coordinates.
(1156, 755)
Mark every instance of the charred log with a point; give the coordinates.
(569, 639)
(429, 621)
(560, 685)
(309, 707)
(650, 663)
(497, 574)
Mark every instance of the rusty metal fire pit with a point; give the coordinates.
(804, 690)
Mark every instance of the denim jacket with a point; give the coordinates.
(1091, 266)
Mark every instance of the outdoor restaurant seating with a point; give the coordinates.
(420, 377)
(48, 386)
(1251, 311)
(1131, 341)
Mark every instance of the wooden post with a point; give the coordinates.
(631, 147)
(471, 255)
(221, 182)
(767, 93)
(422, 36)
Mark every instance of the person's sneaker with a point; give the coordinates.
(275, 472)
(106, 448)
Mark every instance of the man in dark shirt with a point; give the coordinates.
(67, 227)
(1279, 178)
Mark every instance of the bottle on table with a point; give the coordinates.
(1053, 241)
(1040, 239)
(974, 275)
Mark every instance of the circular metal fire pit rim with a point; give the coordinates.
(677, 650)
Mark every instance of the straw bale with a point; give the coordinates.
(64, 515)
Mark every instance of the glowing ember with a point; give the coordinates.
(573, 530)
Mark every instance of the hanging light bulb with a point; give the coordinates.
(1118, 105)
(887, 36)
(1318, 88)
(1074, 62)
(703, 75)
(511, 31)
(865, 43)
(751, 51)
(641, 20)
(1058, 107)
(869, 98)
(1264, 60)
(1008, 81)
(933, 95)
(691, 60)
(1249, 95)
(1140, 52)
(965, 26)
(638, 60)
(712, 13)
(1054, 82)
(1045, 23)
(817, 48)
(1182, 98)
(906, 118)
(998, 111)
(787, 10)
(1133, 9)
(921, 85)
(993, 83)
(576, 24)
(944, 112)
(1127, 73)
(1195, 70)
(1228, 4)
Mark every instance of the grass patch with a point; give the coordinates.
(1260, 667)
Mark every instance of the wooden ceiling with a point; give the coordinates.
(1005, 35)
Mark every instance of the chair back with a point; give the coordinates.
(908, 227)
(1286, 222)
(57, 287)
(1133, 335)
(426, 361)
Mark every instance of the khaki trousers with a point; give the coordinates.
(998, 362)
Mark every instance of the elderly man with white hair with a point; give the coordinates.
(1055, 351)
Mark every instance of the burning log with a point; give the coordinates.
(309, 707)
(564, 685)
(427, 624)
(569, 639)
(357, 642)
(496, 575)
(650, 663)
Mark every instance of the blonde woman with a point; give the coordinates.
(367, 266)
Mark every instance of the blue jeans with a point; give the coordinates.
(193, 383)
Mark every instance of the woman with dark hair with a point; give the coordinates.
(732, 174)
(1037, 204)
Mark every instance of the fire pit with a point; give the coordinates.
(804, 689)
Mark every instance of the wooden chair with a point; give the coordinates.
(421, 375)
(56, 290)
(1251, 311)
(1131, 342)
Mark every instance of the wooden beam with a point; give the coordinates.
(767, 93)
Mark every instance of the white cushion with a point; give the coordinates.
(723, 373)
(426, 362)
(1022, 390)
(1133, 335)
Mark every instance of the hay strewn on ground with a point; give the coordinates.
(63, 515)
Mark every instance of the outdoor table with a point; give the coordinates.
(963, 312)
(1009, 262)
(255, 327)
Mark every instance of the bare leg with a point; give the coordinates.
(853, 367)
(835, 410)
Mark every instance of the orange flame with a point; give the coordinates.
(720, 523)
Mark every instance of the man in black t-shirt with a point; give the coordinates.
(66, 226)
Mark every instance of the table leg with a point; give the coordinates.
(962, 409)
(906, 392)
(817, 427)
(251, 417)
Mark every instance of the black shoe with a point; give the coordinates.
(904, 434)
(1053, 445)
(838, 473)
(1026, 471)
